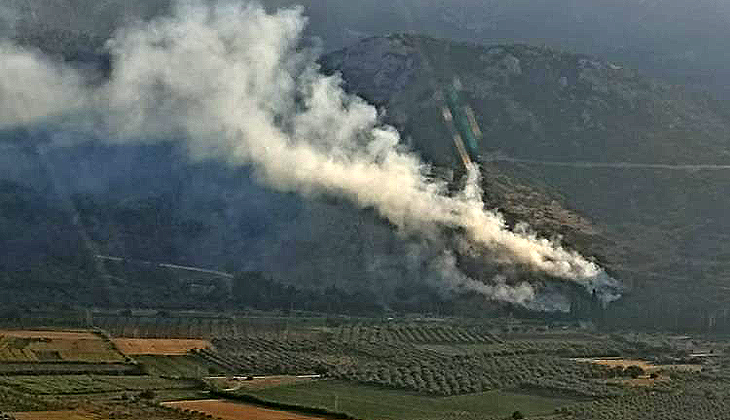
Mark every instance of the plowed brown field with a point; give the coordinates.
(228, 410)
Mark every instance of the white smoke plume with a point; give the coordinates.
(454, 280)
(237, 84)
(8, 21)
(33, 87)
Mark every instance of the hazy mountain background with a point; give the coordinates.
(661, 231)
(682, 41)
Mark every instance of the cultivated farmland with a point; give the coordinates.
(161, 346)
(89, 384)
(415, 334)
(229, 410)
(68, 368)
(416, 367)
(50, 415)
(373, 369)
(243, 383)
(50, 334)
(188, 366)
(14, 400)
(375, 403)
(56, 346)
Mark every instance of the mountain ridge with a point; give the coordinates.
(536, 104)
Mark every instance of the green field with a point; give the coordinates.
(56, 346)
(14, 400)
(177, 366)
(65, 368)
(373, 403)
(89, 384)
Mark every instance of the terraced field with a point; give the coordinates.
(68, 368)
(188, 366)
(56, 346)
(14, 400)
(89, 384)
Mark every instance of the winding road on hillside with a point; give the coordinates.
(609, 165)
(166, 265)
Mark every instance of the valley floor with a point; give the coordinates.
(370, 369)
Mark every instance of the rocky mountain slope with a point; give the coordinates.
(577, 146)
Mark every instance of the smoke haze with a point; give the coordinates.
(236, 82)
(33, 87)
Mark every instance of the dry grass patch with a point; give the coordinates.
(647, 366)
(681, 367)
(260, 382)
(624, 363)
(159, 346)
(51, 334)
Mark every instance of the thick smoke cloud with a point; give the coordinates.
(33, 87)
(8, 21)
(237, 84)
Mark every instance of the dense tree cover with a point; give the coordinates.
(255, 290)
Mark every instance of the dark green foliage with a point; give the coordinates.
(44, 260)
(256, 290)
(281, 406)
(187, 366)
(91, 384)
(69, 368)
(633, 371)
(12, 400)
(147, 394)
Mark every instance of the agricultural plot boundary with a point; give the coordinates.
(58, 346)
(252, 399)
